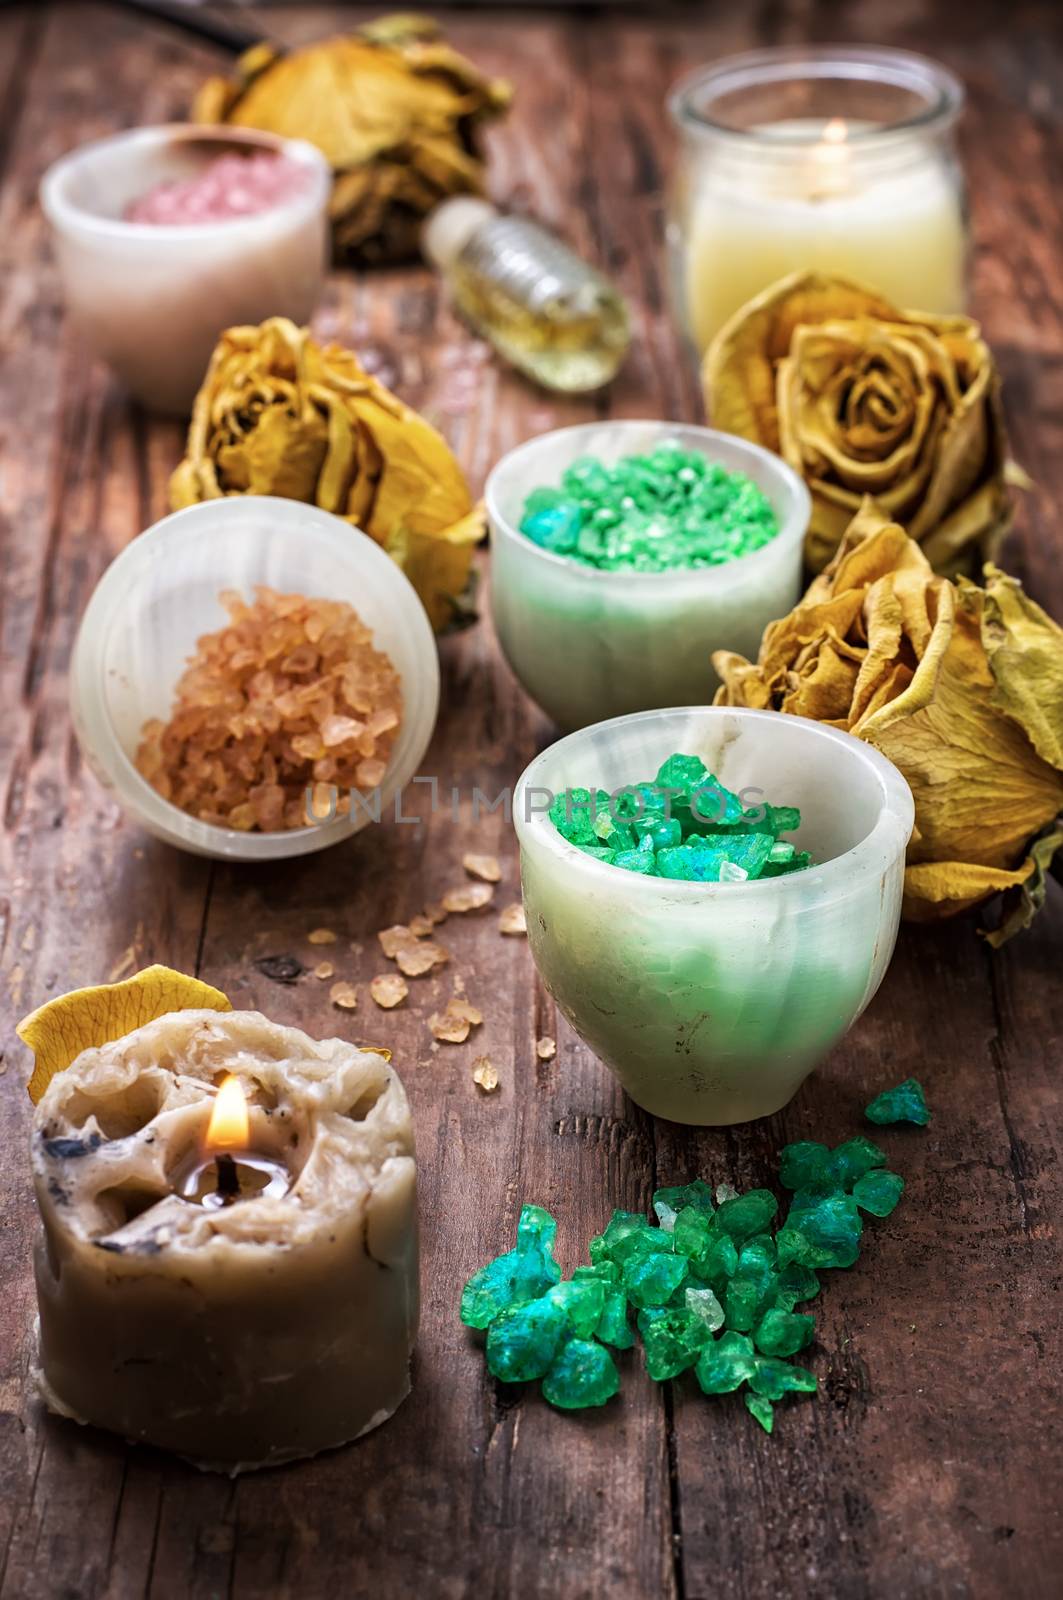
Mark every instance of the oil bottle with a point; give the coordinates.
(556, 319)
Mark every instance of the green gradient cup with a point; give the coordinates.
(587, 644)
(711, 1002)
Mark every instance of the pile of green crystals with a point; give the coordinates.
(711, 1286)
(650, 513)
(682, 824)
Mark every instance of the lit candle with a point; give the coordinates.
(228, 1267)
(878, 201)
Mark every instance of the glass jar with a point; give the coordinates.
(836, 160)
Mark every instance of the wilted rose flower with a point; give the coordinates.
(394, 109)
(861, 398)
(961, 687)
(280, 414)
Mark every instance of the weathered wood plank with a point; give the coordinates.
(925, 1468)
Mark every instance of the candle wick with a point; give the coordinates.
(228, 1178)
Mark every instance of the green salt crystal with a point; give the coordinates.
(783, 1333)
(621, 1226)
(682, 1196)
(704, 1304)
(782, 869)
(726, 1364)
(905, 1103)
(740, 1303)
(712, 807)
(672, 1340)
(519, 1275)
(851, 1160)
(773, 1378)
(582, 1301)
(636, 861)
(803, 1164)
(820, 1231)
(762, 1410)
(596, 852)
(651, 1280)
(746, 1214)
(794, 1284)
(661, 834)
(523, 1341)
(878, 1192)
(583, 1374)
(574, 813)
(613, 1325)
(682, 773)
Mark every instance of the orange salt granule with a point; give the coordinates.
(290, 696)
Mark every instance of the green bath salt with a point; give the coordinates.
(671, 508)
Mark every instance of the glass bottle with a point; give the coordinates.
(547, 312)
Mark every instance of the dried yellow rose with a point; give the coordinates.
(961, 687)
(280, 414)
(393, 108)
(60, 1030)
(861, 398)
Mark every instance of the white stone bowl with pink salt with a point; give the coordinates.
(162, 594)
(166, 236)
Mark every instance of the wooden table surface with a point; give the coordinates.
(929, 1465)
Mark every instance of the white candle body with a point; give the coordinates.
(746, 225)
(240, 1337)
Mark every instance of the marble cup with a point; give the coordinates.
(152, 299)
(711, 1002)
(587, 644)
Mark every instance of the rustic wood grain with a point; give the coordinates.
(929, 1465)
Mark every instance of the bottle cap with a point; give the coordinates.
(450, 227)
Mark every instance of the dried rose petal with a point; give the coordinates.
(420, 957)
(321, 936)
(344, 995)
(484, 1074)
(470, 897)
(436, 912)
(513, 919)
(485, 867)
(394, 939)
(389, 990)
(323, 970)
(421, 926)
(546, 1048)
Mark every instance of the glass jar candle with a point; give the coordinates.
(835, 160)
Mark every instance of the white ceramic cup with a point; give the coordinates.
(161, 594)
(711, 1002)
(152, 299)
(587, 644)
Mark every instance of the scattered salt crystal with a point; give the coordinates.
(665, 1215)
(513, 920)
(395, 938)
(389, 990)
(470, 897)
(485, 867)
(484, 1074)
(420, 957)
(452, 1025)
(344, 995)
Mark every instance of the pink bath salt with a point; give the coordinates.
(231, 186)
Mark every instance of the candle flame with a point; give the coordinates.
(836, 131)
(229, 1127)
